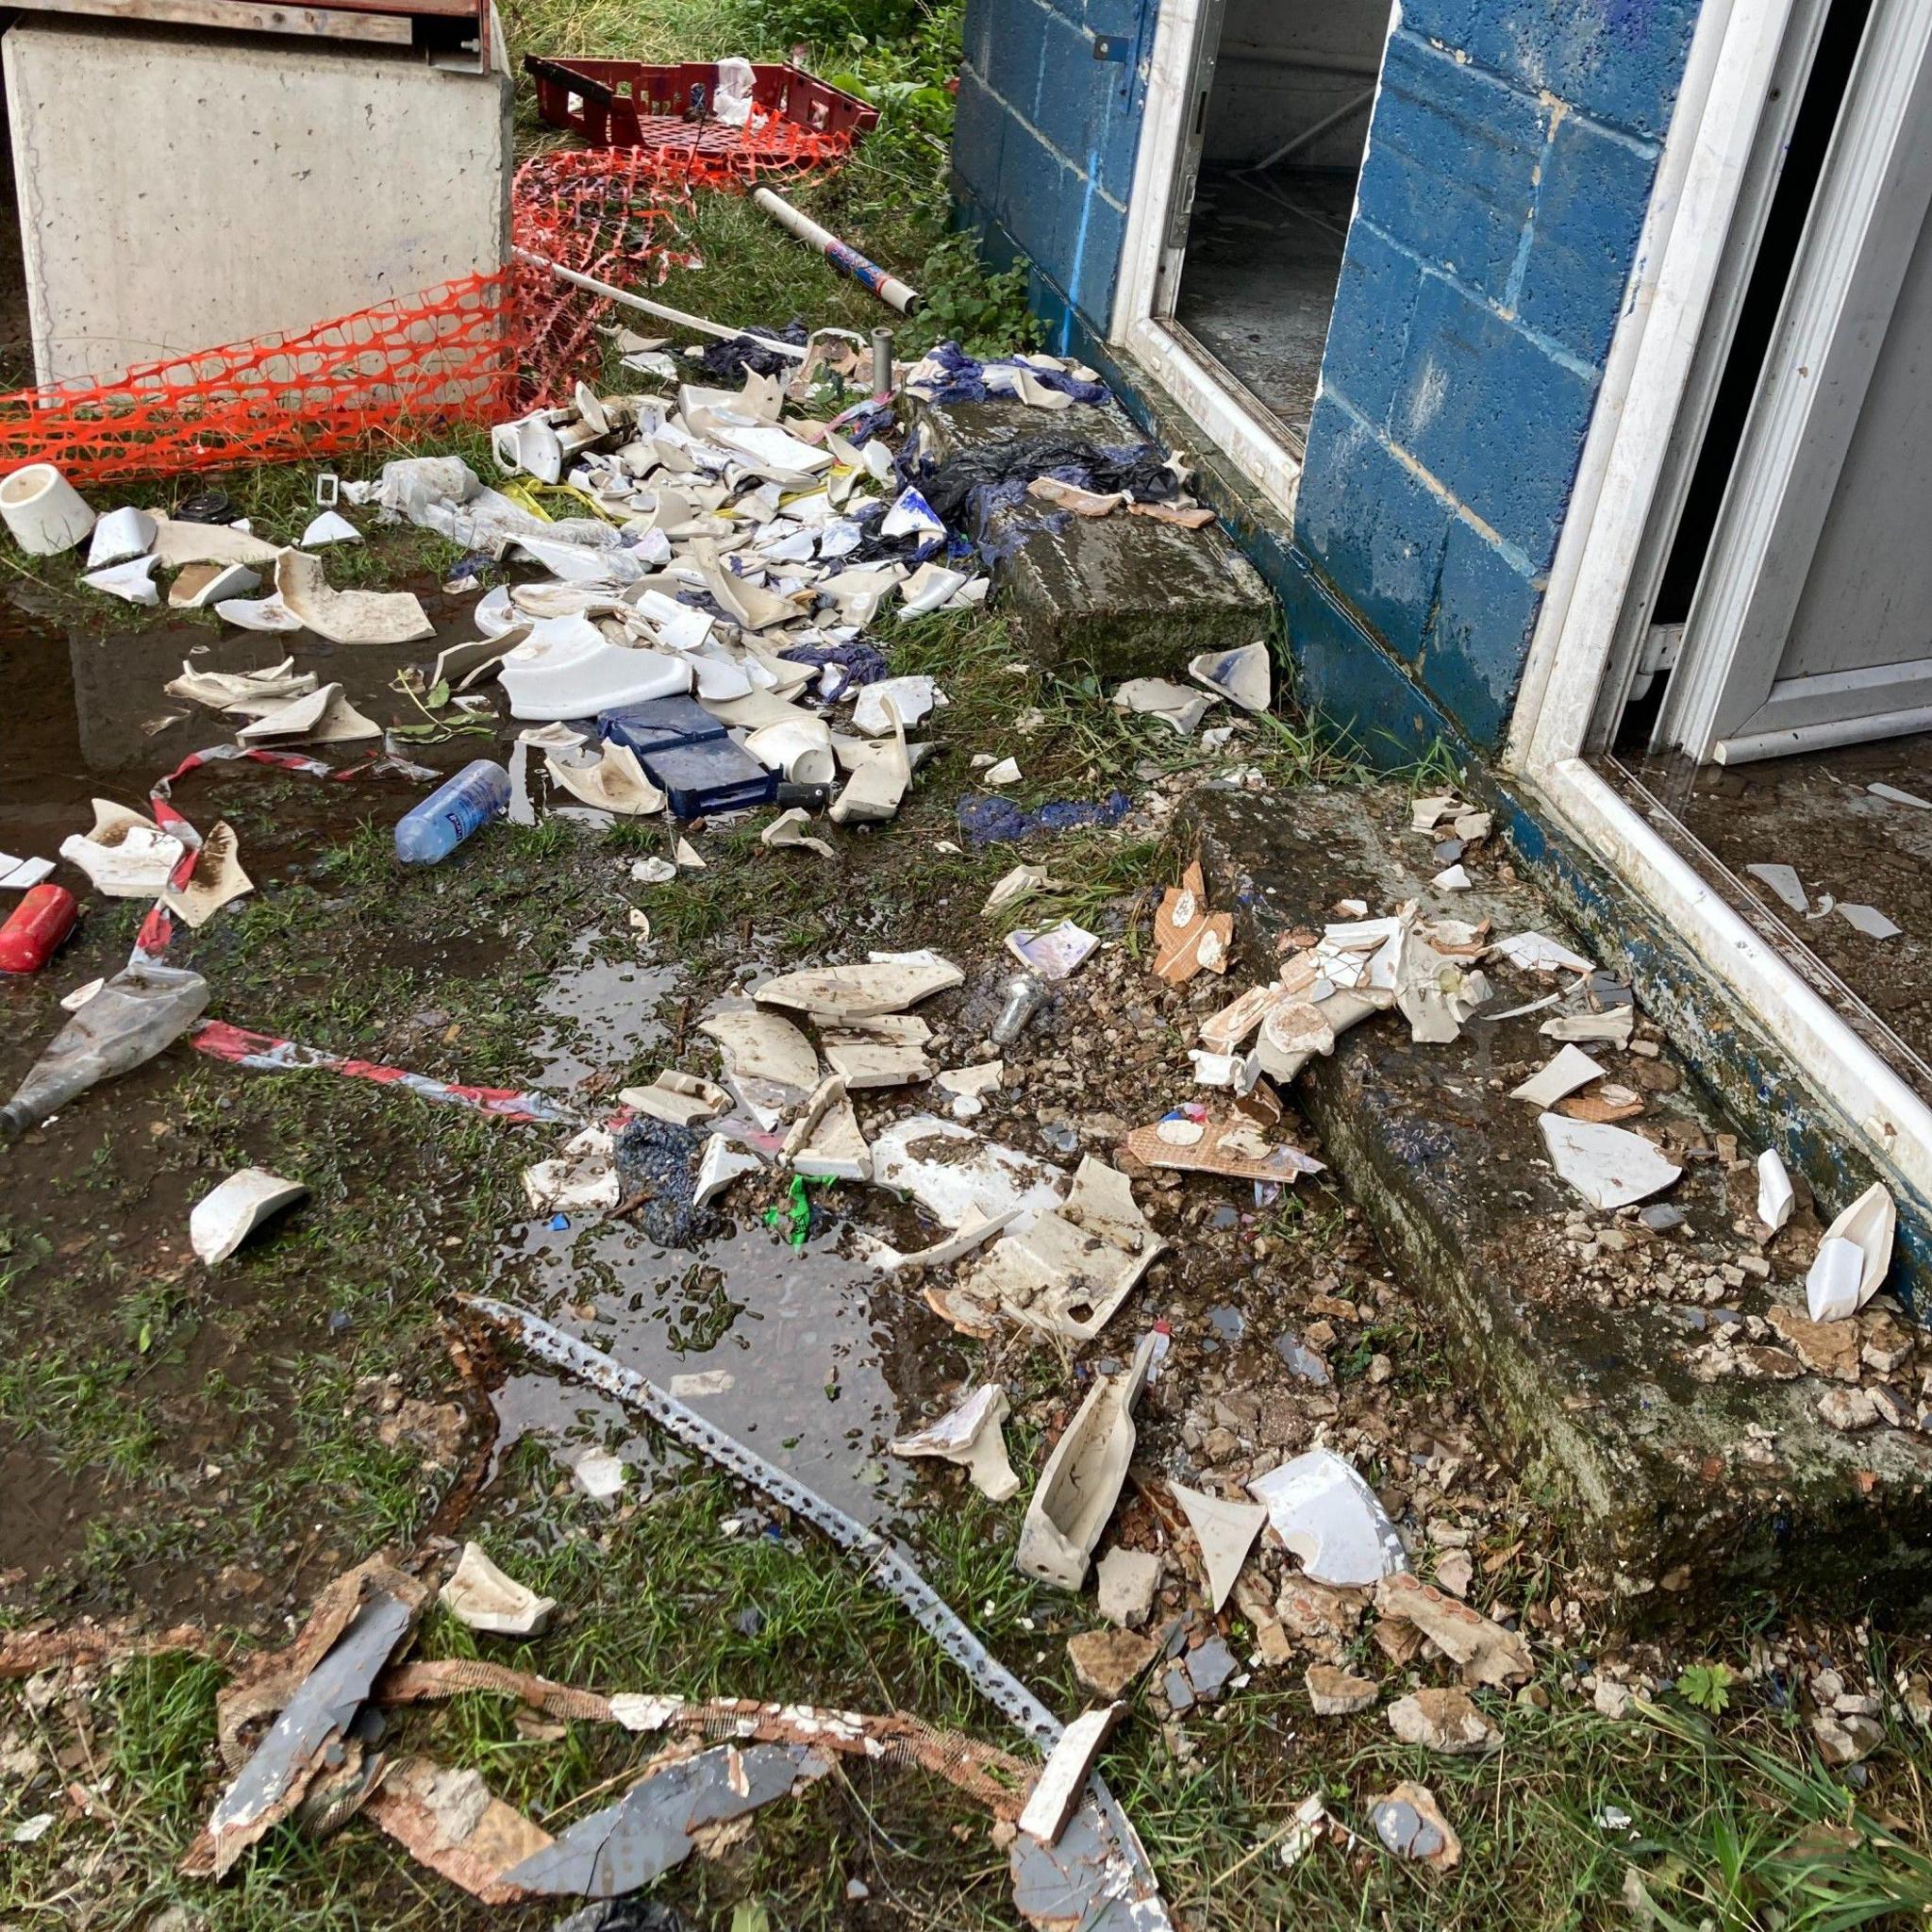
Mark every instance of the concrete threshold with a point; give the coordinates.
(1677, 1465)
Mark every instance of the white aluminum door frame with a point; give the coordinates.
(1727, 700)
(1708, 160)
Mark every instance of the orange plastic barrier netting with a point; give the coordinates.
(474, 350)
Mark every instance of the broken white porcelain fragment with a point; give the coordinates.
(614, 782)
(347, 617)
(1784, 881)
(331, 526)
(769, 1063)
(225, 1218)
(235, 691)
(1056, 954)
(967, 1086)
(581, 1178)
(1868, 921)
(788, 831)
(1571, 1068)
(883, 985)
(1243, 678)
(319, 717)
(215, 878)
(1062, 1780)
(1174, 705)
(1775, 1196)
(1225, 1531)
(1854, 1256)
(133, 581)
(1535, 952)
(1007, 771)
(1323, 1509)
(910, 698)
(720, 1165)
(1608, 1166)
(1081, 1483)
(122, 536)
(969, 1433)
(125, 855)
(825, 1142)
(480, 1597)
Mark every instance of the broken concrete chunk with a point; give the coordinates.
(1334, 1692)
(969, 1435)
(1082, 1479)
(1189, 939)
(224, 1219)
(1775, 1196)
(1326, 1514)
(858, 993)
(1446, 1722)
(1107, 1662)
(1853, 1258)
(1571, 1068)
(1125, 1581)
(1411, 1825)
(1487, 1652)
(1063, 1777)
(1226, 1532)
(480, 1597)
(1610, 1167)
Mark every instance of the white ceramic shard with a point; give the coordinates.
(687, 856)
(865, 1060)
(960, 1178)
(176, 543)
(613, 782)
(801, 752)
(201, 586)
(1017, 884)
(600, 1475)
(347, 617)
(1006, 773)
(42, 510)
(126, 856)
(1784, 881)
(1834, 1290)
(321, 717)
(269, 614)
(1062, 1780)
(331, 526)
(720, 1165)
(1081, 1483)
(227, 690)
(877, 783)
(824, 1141)
(119, 536)
(580, 1179)
(967, 1087)
(1613, 1026)
(1571, 1068)
(1535, 952)
(133, 582)
(567, 668)
(1243, 678)
(680, 1098)
(791, 829)
(1895, 796)
(1321, 1506)
(1175, 705)
(217, 878)
(17, 874)
(769, 1063)
(1225, 1531)
(933, 587)
(1454, 878)
(1868, 921)
(1775, 1197)
(480, 1597)
(858, 993)
(969, 1435)
(1610, 1167)
(1056, 954)
(224, 1219)
(910, 698)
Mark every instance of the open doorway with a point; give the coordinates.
(1281, 107)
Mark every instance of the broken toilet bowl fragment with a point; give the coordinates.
(1854, 1256)
(215, 879)
(480, 1597)
(319, 717)
(1321, 1506)
(613, 782)
(887, 984)
(1225, 1531)
(1081, 1483)
(1174, 705)
(200, 586)
(1775, 1196)
(224, 1219)
(799, 751)
(958, 1178)
(909, 698)
(1243, 678)
(347, 617)
(1610, 1167)
(126, 856)
(331, 526)
(133, 582)
(792, 830)
(1063, 1777)
(719, 1166)
(119, 536)
(1570, 1070)
(826, 1142)
(969, 1435)
(44, 511)
(241, 691)
(769, 1063)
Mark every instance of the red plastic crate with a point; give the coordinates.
(629, 104)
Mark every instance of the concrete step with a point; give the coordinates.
(1588, 1335)
(1122, 595)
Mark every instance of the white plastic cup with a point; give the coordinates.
(42, 510)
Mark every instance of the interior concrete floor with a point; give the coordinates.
(1263, 256)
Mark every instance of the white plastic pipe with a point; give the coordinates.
(841, 255)
(661, 310)
(43, 510)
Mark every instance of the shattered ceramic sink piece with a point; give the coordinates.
(659, 1822)
(1174, 705)
(1081, 1482)
(228, 691)
(910, 698)
(347, 617)
(872, 794)
(567, 668)
(133, 582)
(268, 614)
(1854, 1256)
(324, 716)
(1610, 1167)
(960, 1178)
(769, 1063)
(865, 1060)
(1535, 952)
(858, 993)
(225, 1218)
(1243, 678)
(1570, 1070)
(1056, 954)
(1326, 1514)
(120, 537)
(1774, 1195)
(678, 1097)
(1018, 884)
(214, 878)
(202, 584)
(1064, 1270)
(789, 831)
(1063, 1777)
(969, 1433)
(720, 1165)
(580, 1180)
(125, 855)
(826, 1141)
(1433, 991)
(1611, 1027)
(176, 545)
(1225, 1531)
(966, 1087)
(613, 782)
(1189, 939)
(480, 1597)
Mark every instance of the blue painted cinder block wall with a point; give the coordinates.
(1510, 165)
(1045, 142)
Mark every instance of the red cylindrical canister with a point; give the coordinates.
(45, 917)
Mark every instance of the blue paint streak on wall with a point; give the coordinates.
(1045, 146)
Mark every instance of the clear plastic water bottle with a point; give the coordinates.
(429, 832)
